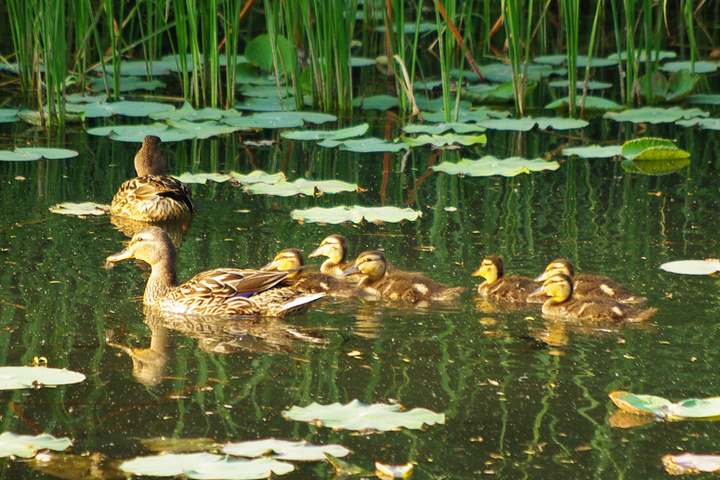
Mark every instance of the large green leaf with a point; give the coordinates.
(187, 112)
(592, 85)
(376, 102)
(202, 178)
(127, 84)
(639, 404)
(9, 115)
(258, 176)
(301, 186)
(590, 102)
(692, 267)
(704, 123)
(205, 466)
(26, 446)
(259, 51)
(691, 408)
(593, 151)
(341, 134)
(360, 417)
(14, 378)
(467, 116)
(440, 141)
(440, 128)
(284, 450)
(25, 154)
(354, 214)
(701, 66)
(489, 165)
(365, 145)
(528, 123)
(502, 73)
(695, 408)
(206, 129)
(655, 115)
(274, 120)
(655, 167)
(652, 148)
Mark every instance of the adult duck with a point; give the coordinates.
(222, 292)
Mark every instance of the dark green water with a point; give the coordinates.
(523, 398)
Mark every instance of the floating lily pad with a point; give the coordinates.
(27, 154)
(202, 178)
(205, 466)
(15, 378)
(301, 186)
(489, 165)
(580, 85)
(100, 109)
(592, 103)
(409, 28)
(179, 445)
(655, 115)
(691, 464)
(365, 145)
(341, 134)
(274, 120)
(26, 446)
(440, 128)
(440, 141)
(362, 62)
(594, 151)
(354, 214)
(142, 68)
(662, 89)
(360, 417)
(582, 61)
(258, 176)
(127, 84)
(201, 130)
(650, 148)
(137, 133)
(704, 123)
(704, 98)
(642, 56)
(638, 404)
(284, 450)
(267, 104)
(494, 93)
(502, 73)
(528, 123)
(692, 267)
(259, 51)
(266, 91)
(187, 112)
(701, 66)
(437, 104)
(467, 116)
(692, 408)
(80, 209)
(376, 102)
(9, 115)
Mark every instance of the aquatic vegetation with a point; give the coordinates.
(354, 214)
(14, 378)
(27, 445)
(29, 154)
(490, 165)
(688, 409)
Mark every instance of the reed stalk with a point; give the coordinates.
(517, 27)
(570, 10)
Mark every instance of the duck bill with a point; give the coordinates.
(351, 271)
(116, 257)
(543, 276)
(477, 273)
(270, 266)
(540, 292)
(316, 253)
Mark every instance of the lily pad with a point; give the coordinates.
(691, 408)
(654, 167)
(27, 154)
(259, 51)
(258, 176)
(489, 165)
(662, 89)
(692, 267)
(202, 130)
(700, 66)
(467, 116)
(341, 134)
(691, 464)
(354, 214)
(592, 85)
(9, 115)
(376, 102)
(703, 123)
(437, 104)
(202, 178)
(440, 128)
(187, 112)
(592, 103)
(360, 417)
(502, 73)
(205, 466)
(440, 141)
(528, 123)
(127, 84)
(650, 148)
(301, 186)
(704, 98)
(365, 145)
(494, 93)
(582, 61)
(274, 120)
(266, 104)
(638, 404)
(642, 56)
(137, 133)
(284, 450)
(594, 151)
(26, 446)
(80, 209)
(655, 115)
(15, 378)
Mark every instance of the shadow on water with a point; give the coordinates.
(524, 397)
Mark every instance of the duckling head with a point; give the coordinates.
(150, 159)
(152, 245)
(371, 264)
(491, 268)
(334, 247)
(556, 267)
(288, 259)
(558, 287)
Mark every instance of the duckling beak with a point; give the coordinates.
(351, 271)
(543, 276)
(270, 266)
(477, 273)
(540, 292)
(116, 257)
(316, 253)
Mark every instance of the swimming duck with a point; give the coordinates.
(219, 292)
(397, 284)
(152, 196)
(515, 288)
(335, 248)
(590, 286)
(291, 260)
(563, 304)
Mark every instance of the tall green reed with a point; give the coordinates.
(518, 17)
(570, 10)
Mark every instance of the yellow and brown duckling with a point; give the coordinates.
(563, 304)
(152, 196)
(334, 247)
(291, 260)
(397, 284)
(497, 286)
(222, 292)
(590, 286)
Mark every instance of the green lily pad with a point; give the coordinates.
(365, 145)
(528, 123)
(360, 417)
(139, 109)
(494, 93)
(701, 66)
(202, 178)
(259, 51)
(26, 446)
(258, 176)
(437, 104)
(594, 151)
(651, 148)
(8, 156)
(409, 27)
(703, 123)
(80, 209)
(592, 85)
(275, 120)
(285, 450)
(592, 103)
(127, 84)
(704, 99)
(141, 68)
(354, 214)
(137, 133)
(205, 466)
(100, 109)
(14, 378)
(502, 73)
(341, 134)
(638, 404)
(440, 141)
(582, 61)
(301, 186)
(662, 89)
(187, 112)
(691, 408)
(266, 91)
(362, 62)
(467, 116)
(655, 115)
(692, 267)
(642, 56)
(201, 130)
(489, 165)
(49, 153)
(9, 115)
(376, 102)
(440, 128)
(695, 408)
(654, 167)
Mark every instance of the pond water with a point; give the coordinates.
(523, 397)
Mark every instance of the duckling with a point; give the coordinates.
(516, 288)
(335, 248)
(590, 286)
(222, 292)
(563, 304)
(397, 284)
(291, 260)
(152, 196)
